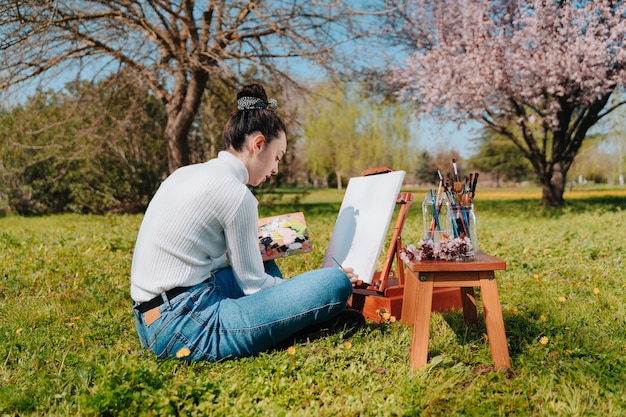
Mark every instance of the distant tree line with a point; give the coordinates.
(99, 147)
(540, 75)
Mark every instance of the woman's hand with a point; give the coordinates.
(354, 278)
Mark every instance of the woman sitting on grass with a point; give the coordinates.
(200, 287)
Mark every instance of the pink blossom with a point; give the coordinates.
(490, 56)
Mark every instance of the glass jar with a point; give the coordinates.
(434, 218)
(462, 222)
(473, 227)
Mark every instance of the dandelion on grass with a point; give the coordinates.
(183, 353)
(347, 345)
(596, 290)
(542, 318)
(543, 340)
(562, 299)
(291, 350)
(385, 315)
(72, 321)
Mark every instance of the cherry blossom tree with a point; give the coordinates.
(541, 73)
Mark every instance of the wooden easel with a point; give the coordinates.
(383, 298)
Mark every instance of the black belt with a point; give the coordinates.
(158, 300)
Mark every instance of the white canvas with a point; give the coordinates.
(361, 227)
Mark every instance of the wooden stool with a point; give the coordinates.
(422, 277)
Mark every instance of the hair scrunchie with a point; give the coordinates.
(250, 103)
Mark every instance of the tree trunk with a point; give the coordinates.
(177, 144)
(181, 109)
(553, 186)
(339, 184)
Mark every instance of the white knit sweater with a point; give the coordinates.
(199, 213)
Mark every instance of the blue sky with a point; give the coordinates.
(433, 134)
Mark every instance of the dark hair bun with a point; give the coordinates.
(252, 90)
(255, 114)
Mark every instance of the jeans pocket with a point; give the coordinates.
(181, 347)
(183, 325)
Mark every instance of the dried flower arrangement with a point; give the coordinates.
(457, 249)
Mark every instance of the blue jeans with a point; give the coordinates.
(214, 319)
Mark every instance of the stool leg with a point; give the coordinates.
(469, 305)
(494, 320)
(421, 322)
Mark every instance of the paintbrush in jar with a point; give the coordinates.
(457, 182)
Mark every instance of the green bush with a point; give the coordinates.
(92, 149)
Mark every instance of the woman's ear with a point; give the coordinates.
(257, 143)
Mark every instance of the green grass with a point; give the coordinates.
(68, 344)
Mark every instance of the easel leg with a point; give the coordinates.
(421, 322)
(357, 302)
(494, 320)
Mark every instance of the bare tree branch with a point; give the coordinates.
(174, 46)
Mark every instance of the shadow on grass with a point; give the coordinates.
(289, 200)
(521, 330)
(347, 323)
(528, 208)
